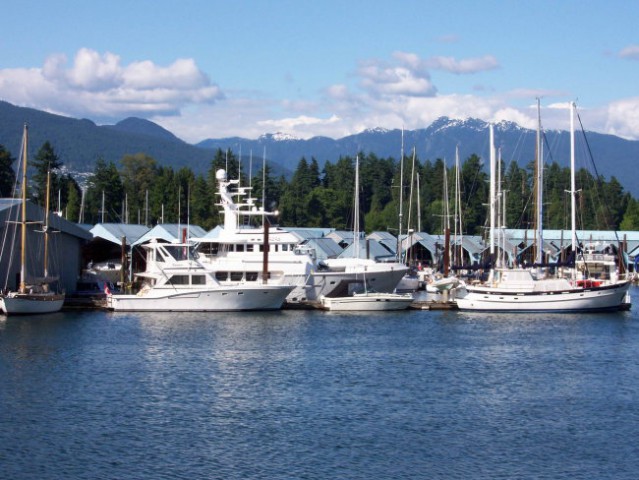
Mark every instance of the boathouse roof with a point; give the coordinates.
(113, 232)
(170, 232)
(10, 210)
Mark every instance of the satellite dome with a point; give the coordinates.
(220, 174)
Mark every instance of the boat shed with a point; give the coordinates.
(561, 239)
(324, 247)
(369, 248)
(386, 239)
(171, 233)
(106, 244)
(65, 245)
(343, 238)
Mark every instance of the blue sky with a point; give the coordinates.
(211, 69)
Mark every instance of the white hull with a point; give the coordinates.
(367, 302)
(381, 279)
(26, 304)
(222, 299)
(608, 297)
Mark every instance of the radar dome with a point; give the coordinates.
(220, 174)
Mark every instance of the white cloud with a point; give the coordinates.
(99, 85)
(463, 66)
(623, 118)
(408, 78)
(390, 94)
(630, 52)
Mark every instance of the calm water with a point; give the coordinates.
(316, 395)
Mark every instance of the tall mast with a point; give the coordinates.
(23, 223)
(457, 214)
(492, 189)
(500, 231)
(401, 195)
(573, 216)
(419, 209)
(356, 207)
(540, 189)
(46, 226)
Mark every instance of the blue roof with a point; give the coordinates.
(113, 232)
(170, 232)
(35, 213)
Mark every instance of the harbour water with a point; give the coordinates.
(319, 395)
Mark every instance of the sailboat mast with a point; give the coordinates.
(573, 215)
(46, 226)
(356, 208)
(458, 219)
(540, 189)
(492, 190)
(401, 195)
(23, 223)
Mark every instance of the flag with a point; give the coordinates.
(106, 289)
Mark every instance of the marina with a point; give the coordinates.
(314, 394)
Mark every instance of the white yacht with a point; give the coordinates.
(238, 251)
(175, 281)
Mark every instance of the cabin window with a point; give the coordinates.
(251, 276)
(221, 276)
(237, 276)
(179, 280)
(285, 248)
(198, 280)
(249, 248)
(239, 248)
(261, 248)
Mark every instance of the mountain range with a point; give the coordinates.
(80, 142)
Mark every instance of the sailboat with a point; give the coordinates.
(366, 300)
(529, 290)
(32, 296)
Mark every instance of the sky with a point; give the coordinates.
(214, 69)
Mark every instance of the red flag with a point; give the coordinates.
(106, 289)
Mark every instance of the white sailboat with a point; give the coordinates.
(366, 300)
(33, 295)
(175, 281)
(528, 290)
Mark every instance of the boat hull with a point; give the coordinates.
(264, 297)
(337, 283)
(29, 304)
(373, 302)
(604, 298)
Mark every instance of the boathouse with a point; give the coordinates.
(66, 240)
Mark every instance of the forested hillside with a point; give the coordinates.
(139, 190)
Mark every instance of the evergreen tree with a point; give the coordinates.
(45, 160)
(104, 183)
(7, 174)
(138, 175)
(73, 200)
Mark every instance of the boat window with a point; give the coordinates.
(285, 248)
(221, 276)
(237, 276)
(251, 276)
(239, 248)
(179, 280)
(249, 248)
(198, 280)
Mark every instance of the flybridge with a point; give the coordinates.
(232, 210)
